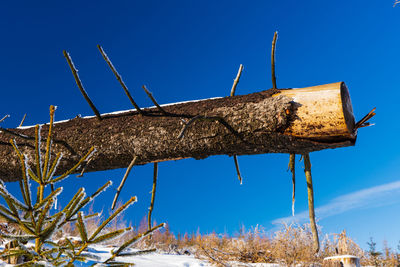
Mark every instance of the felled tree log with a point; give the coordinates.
(272, 121)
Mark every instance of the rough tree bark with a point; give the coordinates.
(272, 121)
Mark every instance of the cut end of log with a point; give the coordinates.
(324, 113)
(347, 108)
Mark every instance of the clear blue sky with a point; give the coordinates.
(184, 50)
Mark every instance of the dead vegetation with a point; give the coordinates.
(292, 245)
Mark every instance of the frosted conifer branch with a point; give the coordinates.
(73, 199)
(44, 212)
(28, 184)
(81, 227)
(91, 256)
(102, 189)
(7, 212)
(73, 208)
(32, 175)
(5, 194)
(53, 195)
(16, 237)
(110, 236)
(89, 199)
(112, 216)
(53, 226)
(128, 170)
(38, 155)
(48, 143)
(53, 168)
(86, 163)
(8, 218)
(65, 175)
(24, 184)
(131, 241)
(75, 217)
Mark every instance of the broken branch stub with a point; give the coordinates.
(272, 121)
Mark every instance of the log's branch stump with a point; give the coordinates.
(272, 121)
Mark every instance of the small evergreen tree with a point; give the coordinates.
(372, 251)
(35, 221)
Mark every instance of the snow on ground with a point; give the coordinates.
(155, 259)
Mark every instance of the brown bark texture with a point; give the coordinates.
(262, 122)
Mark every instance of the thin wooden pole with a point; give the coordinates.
(310, 191)
(292, 165)
(153, 193)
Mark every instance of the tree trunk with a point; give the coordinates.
(272, 121)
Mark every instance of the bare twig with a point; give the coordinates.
(128, 170)
(310, 191)
(273, 60)
(5, 117)
(22, 121)
(26, 137)
(209, 118)
(84, 167)
(363, 122)
(233, 91)
(236, 80)
(367, 124)
(119, 78)
(79, 83)
(153, 193)
(150, 95)
(237, 168)
(292, 159)
(182, 133)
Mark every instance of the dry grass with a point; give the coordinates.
(292, 245)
